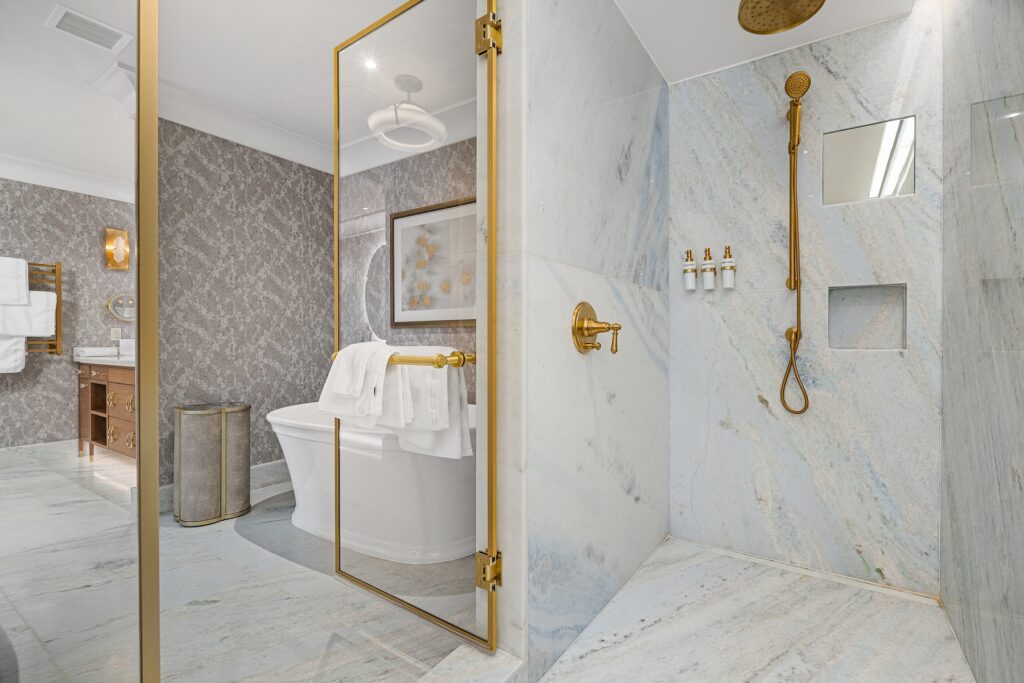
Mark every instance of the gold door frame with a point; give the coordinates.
(147, 354)
(488, 44)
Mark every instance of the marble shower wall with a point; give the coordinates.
(596, 432)
(853, 485)
(245, 281)
(982, 574)
(39, 223)
(367, 199)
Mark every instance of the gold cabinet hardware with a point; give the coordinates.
(586, 327)
(488, 33)
(111, 434)
(111, 400)
(129, 403)
(129, 440)
(488, 571)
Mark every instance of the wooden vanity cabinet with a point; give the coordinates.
(106, 408)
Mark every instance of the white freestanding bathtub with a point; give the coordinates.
(395, 505)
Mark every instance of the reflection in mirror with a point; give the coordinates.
(869, 162)
(69, 607)
(411, 265)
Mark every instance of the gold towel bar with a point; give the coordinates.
(456, 360)
(48, 274)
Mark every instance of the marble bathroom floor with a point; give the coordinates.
(693, 614)
(250, 599)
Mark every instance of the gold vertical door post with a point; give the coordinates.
(148, 372)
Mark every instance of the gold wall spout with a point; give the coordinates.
(586, 327)
(797, 86)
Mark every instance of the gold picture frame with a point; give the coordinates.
(405, 316)
(117, 247)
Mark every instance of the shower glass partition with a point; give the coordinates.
(415, 266)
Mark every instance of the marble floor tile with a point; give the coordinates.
(693, 614)
(250, 599)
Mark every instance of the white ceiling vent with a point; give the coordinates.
(85, 28)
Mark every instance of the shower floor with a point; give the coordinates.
(694, 614)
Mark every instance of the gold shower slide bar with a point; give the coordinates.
(456, 360)
(48, 274)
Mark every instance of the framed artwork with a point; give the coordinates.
(433, 265)
(117, 247)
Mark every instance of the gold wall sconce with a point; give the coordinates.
(117, 247)
(586, 327)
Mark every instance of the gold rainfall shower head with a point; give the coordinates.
(798, 84)
(765, 17)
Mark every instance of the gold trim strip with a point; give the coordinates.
(148, 370)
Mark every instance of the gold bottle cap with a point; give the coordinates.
(707, 253)
(728, 251)
(689, 255)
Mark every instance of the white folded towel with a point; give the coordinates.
(365, 406)
(12, 354)
(37, 319)
(13, 281)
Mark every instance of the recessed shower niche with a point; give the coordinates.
(867, 317)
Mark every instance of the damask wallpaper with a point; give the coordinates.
(245, 281)
(367, 199)
(39, 223)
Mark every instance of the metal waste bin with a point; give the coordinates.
(211, 462)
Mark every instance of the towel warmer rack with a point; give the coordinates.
(48, 274)
(456, 360)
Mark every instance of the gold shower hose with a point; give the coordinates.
(797, 86)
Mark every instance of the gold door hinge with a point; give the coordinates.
(488, 571)
(488, 33)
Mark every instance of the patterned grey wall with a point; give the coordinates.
(40, 223)
(245, 281)
(367, 199)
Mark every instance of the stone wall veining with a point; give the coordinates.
(596, 432)
(982, 574)
(245, 281)
(39, 223)
(367, 199)
(852, 486)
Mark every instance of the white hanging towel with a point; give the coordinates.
(13, 281)
(355, 385)
(37, 319)
(440, 407)
(12, 354)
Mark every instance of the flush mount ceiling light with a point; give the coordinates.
(406, 126)
(765, 17)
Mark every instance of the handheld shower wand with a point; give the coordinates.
(797, 86)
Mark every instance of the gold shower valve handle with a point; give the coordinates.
(586, 327)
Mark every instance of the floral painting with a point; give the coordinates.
(433, 265)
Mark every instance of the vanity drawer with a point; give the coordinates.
(121, 436)
(95, 372)
(120, 400)
(121, 375)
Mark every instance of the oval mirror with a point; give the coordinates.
(122, 307)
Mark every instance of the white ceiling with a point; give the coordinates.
(259, 72)
(54, 129)
(687, 38)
